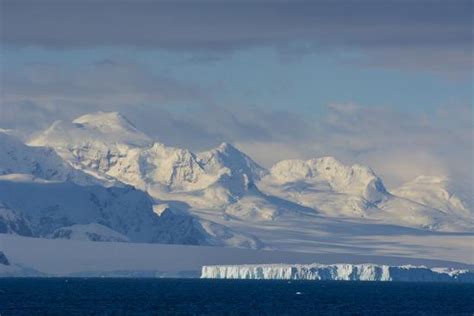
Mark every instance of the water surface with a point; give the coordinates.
(85, 296)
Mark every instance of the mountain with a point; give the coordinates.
(108, 146)
(41, 162)
(432, 203)
(225, 186)
(91, 129)
(356, 191)
(43, 195)
(53, 209)
(437, 192)
(93, 142)
(326, 184)
(126, 210)
(329, 174)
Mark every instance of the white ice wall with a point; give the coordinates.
(341, 272)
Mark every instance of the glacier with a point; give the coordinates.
(337, 272)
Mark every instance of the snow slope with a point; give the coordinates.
(101, 214)
(8, 269)
(93, 142)
(92, 231)
(438, 192)
(338, 272)
(50, 205)
(327, 185)
(329, 174)
(41, 162)
(109, 127)
(41, 194)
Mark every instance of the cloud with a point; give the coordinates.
(106, 82)
(35, 94)
(428, 34)
(398, 146)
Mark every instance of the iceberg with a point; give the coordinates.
(337, 272)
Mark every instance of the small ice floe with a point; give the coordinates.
(299, 293)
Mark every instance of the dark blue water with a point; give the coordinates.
(228, 297)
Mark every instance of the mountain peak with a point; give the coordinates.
(99, 127)
(225, 147)
(100, 119)
(228, 156)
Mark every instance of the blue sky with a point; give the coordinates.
(386, 83)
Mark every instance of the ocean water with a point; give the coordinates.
(95, 296)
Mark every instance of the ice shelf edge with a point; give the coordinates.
(337, 272)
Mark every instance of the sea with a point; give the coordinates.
(122, 296)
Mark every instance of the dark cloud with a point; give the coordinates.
(430, 31)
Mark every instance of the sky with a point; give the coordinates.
(383, 83)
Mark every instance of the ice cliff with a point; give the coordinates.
(337, 272)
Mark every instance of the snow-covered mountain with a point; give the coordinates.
(431, 202)
(327, 185)
(54, 209)
(230, 183)
(43, 195)
(438, 192)
(94, 142)
(41, 162)
(108, 145)
(356, 191)
(102, 127)
(330, 175)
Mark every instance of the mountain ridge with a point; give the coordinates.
(224, 185)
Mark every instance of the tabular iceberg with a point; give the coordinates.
(338, 272)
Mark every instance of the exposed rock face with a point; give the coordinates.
(3, 259)
(13, 223)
